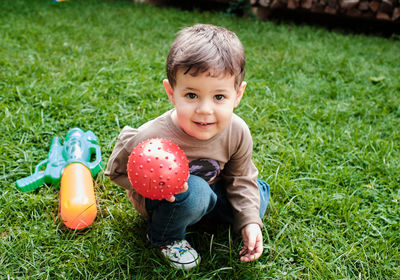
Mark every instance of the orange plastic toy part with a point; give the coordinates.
(77, 199)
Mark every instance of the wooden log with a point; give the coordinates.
(374, 5)
(332, 3)
(157, 2)
(364, 5)
(330, 10)
(263, 13)
(265, 3)
(368, 15)
(396, 14)
(386, 7)
(382, 16)
(317, 7)
(307, 4)
(292, 4)
(348, 4)
(385, 10)
(276, 4)
(222, 1)
(353, 12)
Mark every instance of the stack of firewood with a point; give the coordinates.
(386, 10)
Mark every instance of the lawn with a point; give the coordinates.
(323, 107)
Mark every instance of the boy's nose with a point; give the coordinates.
(204, 108)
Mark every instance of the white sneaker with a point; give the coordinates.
(181, 255)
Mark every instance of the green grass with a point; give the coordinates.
(323, 107)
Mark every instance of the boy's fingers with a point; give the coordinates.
(170, 199)
(185, 187)
(247, 256)
(251, 242)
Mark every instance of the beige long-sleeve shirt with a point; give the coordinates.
(226, 156)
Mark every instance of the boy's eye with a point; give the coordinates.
(219, 97)
(191, 95)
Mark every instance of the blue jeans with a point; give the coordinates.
(168, 221)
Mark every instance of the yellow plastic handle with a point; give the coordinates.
(77, 199)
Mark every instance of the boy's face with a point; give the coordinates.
(204, 104)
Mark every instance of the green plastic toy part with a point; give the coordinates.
(79, 146)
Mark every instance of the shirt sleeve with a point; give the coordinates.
(240, 176)
(116, 167)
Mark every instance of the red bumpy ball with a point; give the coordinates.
(157, 168)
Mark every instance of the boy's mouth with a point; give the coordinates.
(203, 124)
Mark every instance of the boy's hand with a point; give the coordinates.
(172, 198)
(253, 243)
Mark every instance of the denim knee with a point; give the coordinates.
(197, 201)
(168, 221)
(264, 189)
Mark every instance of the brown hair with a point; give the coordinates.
(205, 47)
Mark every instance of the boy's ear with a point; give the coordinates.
(169, 91)
(240, 94)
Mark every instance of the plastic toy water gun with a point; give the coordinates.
(70, 166)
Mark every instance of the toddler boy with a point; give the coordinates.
(205, 70)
